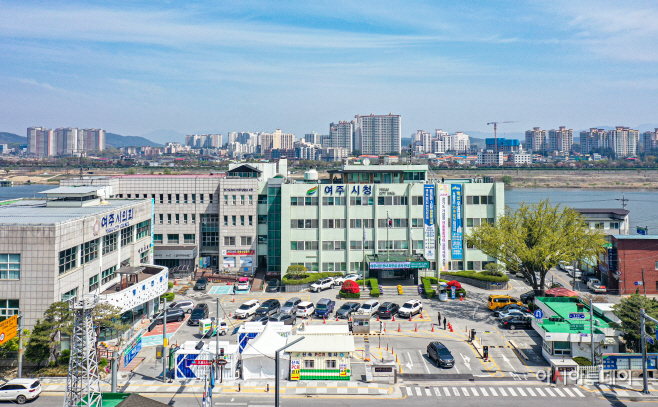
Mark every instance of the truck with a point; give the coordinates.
(208, 327)
(595, 285)
(324, 307)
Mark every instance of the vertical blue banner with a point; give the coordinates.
(457, 246)
(429, 232)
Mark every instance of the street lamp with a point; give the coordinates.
(276, 370)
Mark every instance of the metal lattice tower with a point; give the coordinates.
(83, 386)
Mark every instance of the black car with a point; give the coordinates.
(527, 297)
(262, 319)
(347, 309)
(198, 313)
(267, 308)
(273, 286)
(387, 310)
(508, 307)
(518, 322)
(201, 284)
(173, 315)
(438, 352)
(287, 319)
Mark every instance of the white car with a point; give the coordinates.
(322, 284)
(186, 305)
(247, 309)
(338, 280)
(410, 308)
(595, 285)
(353, 277)
(305, 309)
(243, 285)
(20, 390)
(574, 272)
(369, 307)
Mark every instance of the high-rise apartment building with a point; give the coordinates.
(64, 141)
(313, 138)
(461, 142)
(378, 134)
(650, 140)
(204, 140)
(41, 141)
(560, 140)
(535, 140)
(341, 134)
(67, 140)
(624, 141)
(593, 139)
(275, 141)
(93, 139)
(422, 141)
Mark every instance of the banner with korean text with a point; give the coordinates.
(444, 219)
(430, 229)
(457, 245)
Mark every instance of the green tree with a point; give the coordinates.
(507, 180)
(535, 238)
(495, 269)
(107, 316)
(130, 171)
(628, 311)
(12, 344)
(166, 171)
(56, 321)
(296, 271)
(38, 346)
(7, 170)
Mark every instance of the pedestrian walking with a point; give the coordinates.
(444, 323)
(439, 312)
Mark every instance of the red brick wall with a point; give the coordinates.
(635, 255)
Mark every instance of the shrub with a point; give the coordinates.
(427, 287)
(506, 179)
(296, 272)
(168, 296)
(307, 278)
(64, 357)
(350, 287)
(582, 361)
(483, 276)
(171, 285)
(103, 362)
(343, 294)
(495, 269)
(455, 283)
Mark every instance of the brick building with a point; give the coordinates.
(631, 259)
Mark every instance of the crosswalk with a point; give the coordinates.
(488, 391)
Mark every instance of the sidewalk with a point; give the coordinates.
(624, 392)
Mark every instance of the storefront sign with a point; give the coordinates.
(343, 370)
(116, 221)
(8, 329)
(400, 265)
(611, 263)
(238, 189)
(342, 189)
(175, 254)
(238, 252)
(430, 230)
(229, 261)
(295, 365)
(457, 247)
(444, 218)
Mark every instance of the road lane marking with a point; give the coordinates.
(532, 393)
(465, 391)
(559, 392)
(409, 392)
(511, 391)
(569, 392)
(502, 392)
(418, 393)
(493, 391)
(550, 393)
(475, 392)
(446, 391)
(424, 362)
(541, 393)
(455, 391)
(578, 393)
(437, 392)
(521, 392)
(428, 392)
(484, 392)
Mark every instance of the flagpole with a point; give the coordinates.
(363, 223)
(388, 226)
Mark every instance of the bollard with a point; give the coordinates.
(387, 347)
(268, 388)
(238, 387)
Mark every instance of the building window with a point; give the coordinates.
(210, 230)
(309, 364)
(93, 283)
(337, 266)
(68, 259)
(303, 223)
(194, 218)
(185, 218)
(157, 238)
(251, 220)
(262, 239)
(127, 235)
(418, 244)
(241, 199)
(330, 364)
(599, 225)
(234, 199)
(241, 220)
(225, 220)
(229, 240)
(614, 225)
(161, 219)
(251, 199)
(177, 219)
(10, 266)
(245, 240)
(189, 238)
(262, 199)
(417, 200)
(8, 308)
(177, 198)
(225, 199)
(168, 198)
(172, 238)
(144, 257)
(201, 198)
(262, 219)
(89, 250)
(169, 218)
(210, 197)
(193, 198)
(71, 294)
(143, 229)
(108, 274)
(161, 198)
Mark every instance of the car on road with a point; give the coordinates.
(498, 301)
(200, 312)
(287, 319)
(410, 308)
(305, 309)
(388, 310)
(369, 307)
(574, 272)
(512, 313)
(440, 354)
(324, 308)
(527, 297)
(186, 305)
(511, 307)
(595, 285)
(20, 390)
(518, 322)
(322, 284)
(243, 284)
(201, 284)
(290, 306)
(173, 315)
(273, 286)
(347, 309)
(247, 309)
(269, 307)
(562, 265)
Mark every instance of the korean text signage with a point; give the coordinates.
(343, 369)
(457, 247)
(8, 329)
(342, 189)
(116, 221)
(430, 232)
(238, 252)
(132, 351)
(444, 218)
(400, 265)
(295, 365)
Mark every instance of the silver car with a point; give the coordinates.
(290, 306)
(186, 305)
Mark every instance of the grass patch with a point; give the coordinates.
(308, 278)
(482, 275)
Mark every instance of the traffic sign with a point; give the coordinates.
(201, 362)
(539, 314)
(638, 283)
(618, 272)
(577, 315)
(222, 362)
(649, 339)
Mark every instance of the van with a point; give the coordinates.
(498, 301)
(305, 309)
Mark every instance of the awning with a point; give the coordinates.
(561, 292)
(175, 252)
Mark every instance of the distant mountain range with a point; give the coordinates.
(6, 138)
(116, 140)
(165, 135)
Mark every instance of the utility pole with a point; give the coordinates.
(591, 328)
(363, 223)
(643, 344)
(221, 368)
(276, 370)
(164, 342)
(644, 285)
(115, 367)
(623, 200)
(20, 343)
(388, 226)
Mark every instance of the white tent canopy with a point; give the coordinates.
(258, 356)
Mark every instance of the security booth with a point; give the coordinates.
(361, 324)
(563, 371)
(192, 361)
(442, 289)
(321, 357)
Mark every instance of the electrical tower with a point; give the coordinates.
(83, 386)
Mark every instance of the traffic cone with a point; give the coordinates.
(393, 318)
(336, 317)
(409, 317)
(399, 329)
(233, 297)
(415, 327)
(384, 327)
(377, 317)
(323, 320)
(461, 297)
(229, 315)
(421, 314)
(432, 327)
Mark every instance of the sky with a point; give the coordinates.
(214, 67)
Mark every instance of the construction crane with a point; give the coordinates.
(496, 133)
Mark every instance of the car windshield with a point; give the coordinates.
(271, 282)
(322, 306)
(289, 304)
(201, 281)
(197, 311)
(365, 306)
(408, 305)
(346, 306)
(444, 351)
(245, 306)
(35, 385)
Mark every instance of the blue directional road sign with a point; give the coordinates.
(539, 314)
(577, 315)
(649, 339)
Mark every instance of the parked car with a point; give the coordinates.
(354, 277)
(287, 319)
(173, 315)
(410, 308)
(247, 309)
(20, 390)
(509, 307)
(388, 310)
(201, 284)
(305, 309)
(269, 307)
(322, 284)
(527, 297)
(440, 354)
(512, 313)
(518, 322)
(243, 284)
(562, 265)
(574, 272)
(324, 307)
(290, 306)
(369, 307)
(498, 301)
(338, 281)
(595, 285)
(263, 319)
(200, 312)
(186, 305)
(273, 286)
(347, 309)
